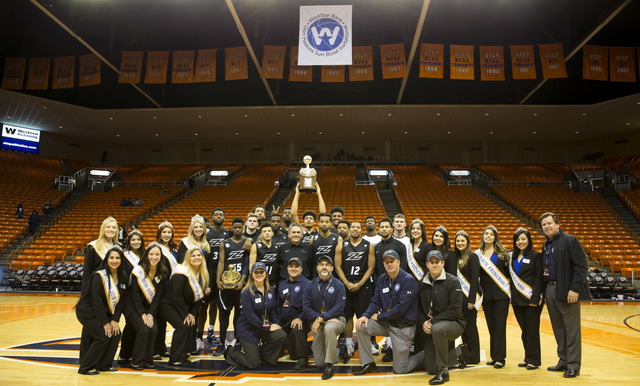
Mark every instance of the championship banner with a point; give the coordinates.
(130, 67)
(432, 61)
(273, 62)
(63, 72)
(89, 71)
(332, 74)
(622, 64)
(523, 62)
(14, 69)
(235, 63)
(182, 67)
(205, 70)
(394, 63)
(461, 62)
(38, 78)
(361, 68)
(595, 63)
(325, 35)
(157, 64)
(552, 61)
(491, 63)
(299, 73)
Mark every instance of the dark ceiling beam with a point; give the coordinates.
(581, 44)
(414, 47)
(90, 48)
(252, 53)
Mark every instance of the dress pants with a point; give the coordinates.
(297, 343)
(401, 339)
(268, 351)
(529, 320)
(470, 335)
(160, 347)
(183, 337)
(144, 339)
(496, 312)
(437, 355)
(565, 321)
(97, 350)
(127, 340)
(325, 342)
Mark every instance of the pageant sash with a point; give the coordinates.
(494, 273)
(172, 259)
(112, 293)
(521, 286)
(466, 288)
(193, 282)
(145, 284)
(414, 266)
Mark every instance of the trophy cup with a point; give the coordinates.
(230, 277)
(308, 177)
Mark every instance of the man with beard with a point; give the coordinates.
(296, 248)
(323, 302)
(370, 226)
(260, 212)
(286, 219)
(232, 252)
(279, 237)
(325, 243)
(354, 266)
(343, 229)
(215, 235)
(290, 311)
(337, 215)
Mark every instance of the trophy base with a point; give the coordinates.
(229, 285)
(307, 190)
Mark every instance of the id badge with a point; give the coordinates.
(323, 310)
(546, 272)
(265, 322)
(286, 302)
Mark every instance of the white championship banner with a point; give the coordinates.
(325, 35)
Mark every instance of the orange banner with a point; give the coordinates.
(14, 69)
(130, 67)
(622, 64)
(552, 61)
(63, 72)
(273, 62)
(89, 71)
(361, 68)
(394, 62)
(461, 62)
(205, 70)
(595, 63)
(523, 62)
(432, 61)
(182, 67)
(332, 74)
(235, 63)
(299, 73)
(38, 78)
(157, 64)
(491, 63)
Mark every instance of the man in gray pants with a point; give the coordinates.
(440, 317)
(565, 277)
(393, 312)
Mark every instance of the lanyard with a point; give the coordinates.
(324, 309)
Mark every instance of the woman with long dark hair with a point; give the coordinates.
(496, 291)
(147, 287)
(181, 302)
(257, 324)
(468, 276)
(526, 297)
(420, 247)
(164, 237)
(99, 310)
(440, 242)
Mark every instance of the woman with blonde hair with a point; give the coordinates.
(189, 283)
(196, 237)
(496, 290)
(96, 250)
(468, 276)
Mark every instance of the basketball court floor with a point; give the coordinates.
(39, 340)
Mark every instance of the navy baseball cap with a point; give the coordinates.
(391, 253)
(296, 259)
(436, 254)
(325, 257)
(258, 265)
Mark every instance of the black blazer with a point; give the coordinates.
(472, 273)
(530, 273)
(492, 291)
(571, 268)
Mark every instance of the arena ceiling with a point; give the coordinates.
(256, 110)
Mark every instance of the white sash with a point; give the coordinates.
(521, 286)
(193, 282)
(145, 284)
(132, 257)
(414, 266)
(95, 248)
(466, 287)
(112, 294)
(494, 273)
(167, 253)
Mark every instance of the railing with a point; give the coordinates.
(216, 183)
(149, 183)
(364, 183)
(529, 183)
(459, 183)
